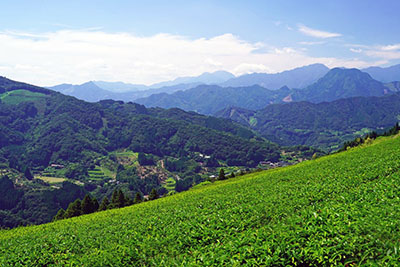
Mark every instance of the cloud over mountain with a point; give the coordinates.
(76, 56)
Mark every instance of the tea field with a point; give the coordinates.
(342, 209)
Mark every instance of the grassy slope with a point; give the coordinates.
(338, 209)
(17, 96)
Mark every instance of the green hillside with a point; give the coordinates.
(18, 96)
(340, 209)
(324, 125)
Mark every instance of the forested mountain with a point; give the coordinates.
(100, 127)
(55, 148)
(208, 99)
(295, 78)
(340, 83)
(388, 74)
(326, 125)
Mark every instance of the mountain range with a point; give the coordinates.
(208, 99)
(100, 90)
(295, 78)
(388, 74)
(335, 84)
(94, 91)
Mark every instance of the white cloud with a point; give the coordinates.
(385, 53)
(312, 43)
(77, 56)
(356, 50)
(391, 47)
(317, 33)
(246, 68)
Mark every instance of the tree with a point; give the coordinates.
(74, 209)
(122, 201)
(120, 168)
(211, 162)
(89, 205)
(142, 158)
(183, 184)
(104, 204)
(221, 175)
(138, 198)
(145, 160)
(28, 174)
(232, 174)
(114, 199)
(153, 194)
(118, 199)
(95, 204)
(60, 215)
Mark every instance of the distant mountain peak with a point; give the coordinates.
(216, 77)
(340, 83)
(296, 78)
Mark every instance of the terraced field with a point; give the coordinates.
(51, 180)
(96, 174)
(342, 209)
(170, 184)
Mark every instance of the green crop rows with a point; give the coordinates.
(96, 174)
(170, 184)
(343, 209)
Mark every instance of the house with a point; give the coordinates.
(57, 166)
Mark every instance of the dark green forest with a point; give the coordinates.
(324, 125)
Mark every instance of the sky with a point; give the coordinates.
(145, 42)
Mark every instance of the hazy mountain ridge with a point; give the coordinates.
(388, 74)
(335, 84)
(94, 91)
(91, 92)
(295, 78)
(315, 83)
(216, 77)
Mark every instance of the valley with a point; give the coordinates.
(55, 149)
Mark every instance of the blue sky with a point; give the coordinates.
(49, 42)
